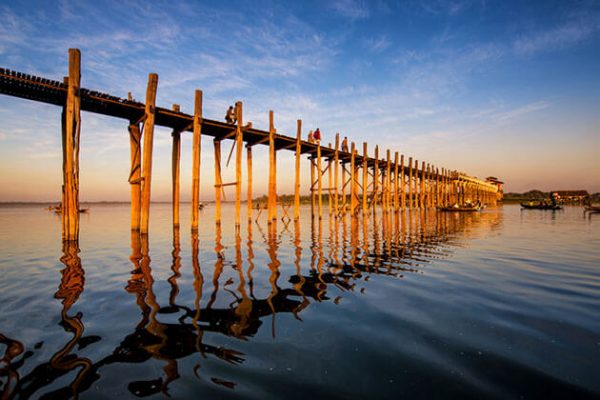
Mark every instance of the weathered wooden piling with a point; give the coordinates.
(249, 191)
(297, 177)
(71, 129)
(148, 137)
(335, 174)
(135, 176)
(175, 171)
(402, 184)
(353, 180)
(218, 181)
(239, 140)
(272, 197)
(365, 180)
(197, 130)
(375, 178)
(396, 203)
(319, 181)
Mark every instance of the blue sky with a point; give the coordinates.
(506, 88)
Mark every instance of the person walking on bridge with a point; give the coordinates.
(345, 144)
(317, 136)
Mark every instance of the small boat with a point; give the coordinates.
(58, 210)
(201, 206)
(457, 208)
(540, 206)
(592, 209)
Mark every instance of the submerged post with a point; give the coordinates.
(297, 183)
(402, 194)
(135, 176)
(175, 162)
(249, 194)
(218, 181)
(272, 199)
(365, 179)
(336, 162)
(197, 130)
(71, 121)
(238, 162)
(147, 151)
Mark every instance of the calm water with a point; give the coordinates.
(499, 304)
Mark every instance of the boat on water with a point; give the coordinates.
(590, 208)
(201, 206)
(58, 210)
(457, 208)
(540, 206)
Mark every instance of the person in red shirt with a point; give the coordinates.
(317, 135)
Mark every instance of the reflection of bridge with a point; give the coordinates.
(383, 244)
(365, 181)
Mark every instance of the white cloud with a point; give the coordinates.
(352, 9)
(378, 44)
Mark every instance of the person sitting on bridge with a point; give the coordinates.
(317, 135)
(345, 144)
(230, 116)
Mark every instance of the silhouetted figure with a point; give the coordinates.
(230, 116)
(345, 144)
(317, 136)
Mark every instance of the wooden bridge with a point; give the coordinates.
(392, 183)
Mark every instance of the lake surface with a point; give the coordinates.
(500, 304)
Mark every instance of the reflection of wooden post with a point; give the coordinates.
(402, 194)
(249, 194)
(319, 180)
(218, 182)
(70, 138)
(335, 173)
(375, 178)
(272, 198)
(147, 149)
(135, 176)
(238, 162)
(396, 199)
(365, 179)
(410, 184)
(197, 126)
(297, 183)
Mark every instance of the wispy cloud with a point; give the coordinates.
(352, 9)
(378, 44)
(568, 34)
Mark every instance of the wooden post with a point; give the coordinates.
(135, 176)
(422, 186)
(71, 127)
(272, 199)
(427, 199)
(297, 183)
(353, 195)
(410, 183)
(396, 198)
(147, 151)
(329, 183)
(175, 176)
(319, 180)
(336, 162)
(365, 179)
(312, 187)
(218, 181)
(249, 194)
(438, 188)
(402, 194)
(375, 177)
(175, 171)
(238, 162)
(344, 186)
(197, 126)
(388, 177)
